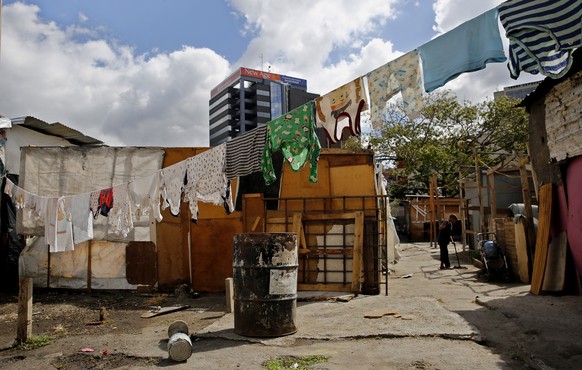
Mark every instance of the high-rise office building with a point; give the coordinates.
(249, 98)
(517, 91)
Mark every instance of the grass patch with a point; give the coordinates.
(34, 342)
(294, 362)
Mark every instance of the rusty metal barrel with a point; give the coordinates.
(265, 284)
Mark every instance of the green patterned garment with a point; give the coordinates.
(294, 134)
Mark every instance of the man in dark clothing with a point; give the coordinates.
(447, 229)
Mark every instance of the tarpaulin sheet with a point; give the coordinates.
(54, 171)
(69, 270)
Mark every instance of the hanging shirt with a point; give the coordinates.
(542, 35)
(145, 195)
(81, 217)
(466, 48)
(243, 153)
(173, 178)
(294, 134)
(206, 180)
(101, 202)
(58, 225)
(400, 75)
(120, 219)
(344, 103)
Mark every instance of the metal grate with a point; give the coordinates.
(336, 234)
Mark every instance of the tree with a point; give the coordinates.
(441, 141)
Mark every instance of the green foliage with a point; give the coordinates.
(443, 138)
(294, 362)
(34, 342)
(353, 142)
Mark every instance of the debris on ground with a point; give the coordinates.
(379, 313)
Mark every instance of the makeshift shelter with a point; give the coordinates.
(348, 235)
(555, 139)
(14, 134)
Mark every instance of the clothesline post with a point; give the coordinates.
(89, 244)
(24, 324)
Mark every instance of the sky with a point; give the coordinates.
(139, 72)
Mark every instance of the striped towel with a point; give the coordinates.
(244, 153)
(542, 35)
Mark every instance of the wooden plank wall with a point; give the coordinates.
(543, 238)
(172, 233)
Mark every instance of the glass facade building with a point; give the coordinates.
(250, 98)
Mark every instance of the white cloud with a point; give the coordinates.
(303, 49)
(76, 76)
(104, 89)
(297, 38)
(475, 86)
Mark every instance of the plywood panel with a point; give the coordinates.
(141, 263)
(172, 242)
(543, 238)
(172, 233)
(212, 252)
(521, 249)
(295, 184)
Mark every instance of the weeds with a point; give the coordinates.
(33, 342)
(294, 362)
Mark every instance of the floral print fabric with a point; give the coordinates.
(400, 75)
(294, 134)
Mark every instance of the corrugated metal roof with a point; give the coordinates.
(56, 129)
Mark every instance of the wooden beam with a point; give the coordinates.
(327, 251)
(543, 238)
(299, 230)
(314, 217)
(255, 224)
(325, 287)
(358, 252)
(521, 250)
(479, 192)
(229, 289)
(24, 324)
(492, 197)
(527, 203)
(89, 268)
(432, 231)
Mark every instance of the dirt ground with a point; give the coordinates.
(75, 314)
(518, 330)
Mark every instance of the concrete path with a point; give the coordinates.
(449, 319)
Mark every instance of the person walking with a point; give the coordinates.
(446, 231)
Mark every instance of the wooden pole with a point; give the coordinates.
(229, 288)
(431, 217)
(89, 268)
(437, 198)
(24, 324)
(479, 191)
(526, 194)
(493, 200)
(462, 206)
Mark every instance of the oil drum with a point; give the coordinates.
(265, 284)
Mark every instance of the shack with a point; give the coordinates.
(347, 237)
(555, 139)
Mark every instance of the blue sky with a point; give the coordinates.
(139, 72)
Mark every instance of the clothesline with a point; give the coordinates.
(553, 24)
